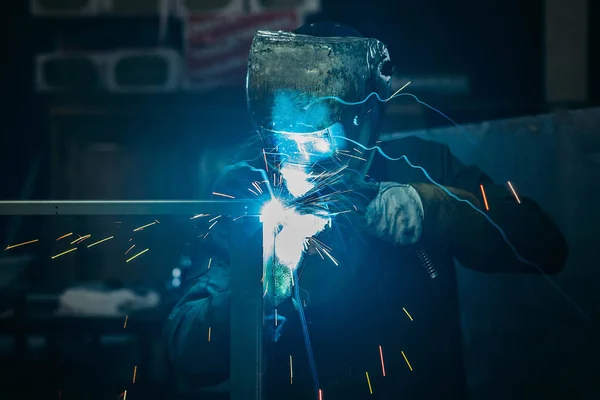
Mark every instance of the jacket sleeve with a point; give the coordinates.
(470, 237)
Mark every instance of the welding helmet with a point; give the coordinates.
(312, 94)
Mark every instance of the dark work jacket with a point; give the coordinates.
(377, 313)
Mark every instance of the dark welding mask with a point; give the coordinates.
(308, 94)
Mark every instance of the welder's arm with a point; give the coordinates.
(472, 239)
(197, 331)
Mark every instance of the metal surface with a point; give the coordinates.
(534, 124)
(127, 207)
(246, 318)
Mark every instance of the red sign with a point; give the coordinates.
(217, 47)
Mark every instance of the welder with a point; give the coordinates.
(388, 307)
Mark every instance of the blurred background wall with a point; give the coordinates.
(135, 99)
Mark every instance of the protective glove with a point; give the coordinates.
(396, 214)
(289, 250)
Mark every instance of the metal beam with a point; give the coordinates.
(128, 207)
(246, 346)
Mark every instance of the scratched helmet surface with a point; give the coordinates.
(308, 91)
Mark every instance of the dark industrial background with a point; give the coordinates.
(474, 60)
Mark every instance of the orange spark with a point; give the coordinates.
(409, 316)
(407, 362)
(145, 226)
(21, 244)
(324, 250)
(134, 373)
(63, 253)
(487, 207)
(64, 236)
(382, 363)
(81, 239)
(514, 192)
(319, 252)
(76, 240)
(352, 156)
(320, 394)
(256, 184)
(397, 91)
(215, 218)
(266, 163)
(369, 382)
(137, 255)
(223, 195)
(100, 241)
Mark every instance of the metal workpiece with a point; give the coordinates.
(246, 346)
(233, 208)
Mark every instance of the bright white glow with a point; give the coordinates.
(306, 146)
(322, 145)
(176, 272)
(296, 180)
(295, 228)
(271, 214)
(314, 143)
